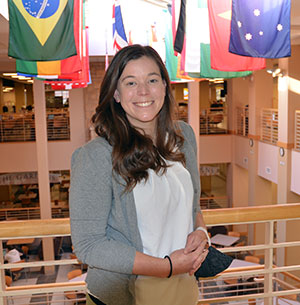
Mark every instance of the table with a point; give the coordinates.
(21, 241)
(33, 187)
(237, 263)
(59, 204)
(224, 240)
(27, 196)
(79, 278)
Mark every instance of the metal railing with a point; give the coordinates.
(21, 127)
(31, 213)
(273, 277)
(297, 130)
(242, 121)
(269, 126)
(213, 202)
(213, 121)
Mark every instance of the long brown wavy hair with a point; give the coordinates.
(133, 151)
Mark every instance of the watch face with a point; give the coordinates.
(281, 151)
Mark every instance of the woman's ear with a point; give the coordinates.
(117, 96)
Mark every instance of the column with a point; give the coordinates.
(19, 95)
(42, 165)
(194, 111)
(260, 190)
(288, 102)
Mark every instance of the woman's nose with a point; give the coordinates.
(143, 88)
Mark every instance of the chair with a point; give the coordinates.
(234, 233)
(240, 244)
(252, 259)
(18, 269)
(8, 280)
(25, 250)
(74, 273)
(73, 295)
(292, 297)
(73, 256)
(236, 254)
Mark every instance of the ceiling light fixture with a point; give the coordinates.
(276, 72)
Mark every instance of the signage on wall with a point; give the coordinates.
(25, 178)
(209, 170)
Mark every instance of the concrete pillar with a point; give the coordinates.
(19, 95)
(194, 111)
(1, 95)
(259, 190)
(29, 95)
(288, 102)
(42, 165)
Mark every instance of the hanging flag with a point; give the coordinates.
(219, 29)
(66, 66)
(208, 72)
(171, 59)
(180, 33)
(153, 36)
(82, 78)
(197, 63)
(197, 57)
(174, 64)
(119, 35)
(197, 18)
(41, 31)
(130, 41)
(106, 53)
(261, 28)
(37, 68)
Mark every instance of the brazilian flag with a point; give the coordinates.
(41, 30)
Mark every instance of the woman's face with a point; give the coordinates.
(141, 92)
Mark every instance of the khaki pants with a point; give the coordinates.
(180, 289)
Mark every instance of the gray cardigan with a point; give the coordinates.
(104, 227)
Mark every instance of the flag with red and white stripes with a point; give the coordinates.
(119, 35)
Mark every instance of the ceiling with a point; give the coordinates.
(8, 64)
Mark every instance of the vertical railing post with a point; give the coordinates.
(2, 277)
(269, 240)
(24, 128)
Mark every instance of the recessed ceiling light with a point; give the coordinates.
(9, 74)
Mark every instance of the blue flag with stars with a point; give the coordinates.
(261, 28)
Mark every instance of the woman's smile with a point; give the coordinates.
(143, 104)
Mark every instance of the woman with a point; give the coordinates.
(134, 197)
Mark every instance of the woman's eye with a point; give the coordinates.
(153, 80)
(130, 84)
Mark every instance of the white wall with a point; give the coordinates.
(241, 148)
(295, 175)
(268, 161)
(215, 149)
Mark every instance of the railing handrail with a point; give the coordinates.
(213, 197)
(251, 214)
(61, 226)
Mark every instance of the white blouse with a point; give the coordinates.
(164, 210)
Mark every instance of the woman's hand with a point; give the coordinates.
(194, 241)
(188, 262)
